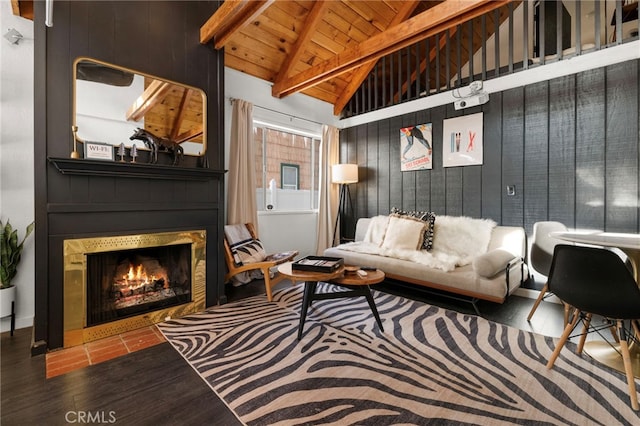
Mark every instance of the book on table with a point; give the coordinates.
(318, 264)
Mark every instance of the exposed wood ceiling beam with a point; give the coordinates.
(188, 135)
(309, 28)
(231, 17)
(15, 7)
(225, 13)
(22, 8)
(439, 18)
(361, 73)
(182, 110)
(152, 95)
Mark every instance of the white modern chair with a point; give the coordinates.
(541, 255)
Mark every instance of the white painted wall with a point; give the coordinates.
(16, 152)
(286, 231)
(100, 111)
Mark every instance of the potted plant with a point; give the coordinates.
(10, 254)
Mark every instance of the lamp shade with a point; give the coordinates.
(344, 173)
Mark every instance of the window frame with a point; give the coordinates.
(316, 141)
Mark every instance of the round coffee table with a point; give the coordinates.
(357, 285)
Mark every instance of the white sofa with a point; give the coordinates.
(492, 275)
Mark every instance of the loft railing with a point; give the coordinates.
(521, 35)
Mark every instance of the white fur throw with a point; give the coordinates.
(462, 236)
(376, 230)
(457, 241)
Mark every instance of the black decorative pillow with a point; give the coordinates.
(428, 217)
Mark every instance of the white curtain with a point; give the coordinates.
(328, 205)
(242, 177)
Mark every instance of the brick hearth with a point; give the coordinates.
(65, 360)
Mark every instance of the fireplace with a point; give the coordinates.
(116, 284)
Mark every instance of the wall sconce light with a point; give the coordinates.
(13, 36)
(343, 174)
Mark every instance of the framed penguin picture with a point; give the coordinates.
(462, 140)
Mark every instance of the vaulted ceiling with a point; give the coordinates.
(326, 49)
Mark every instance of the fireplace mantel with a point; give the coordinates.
(84, 167)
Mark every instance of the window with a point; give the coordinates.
(289, 174)
(286, 168)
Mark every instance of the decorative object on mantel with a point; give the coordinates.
(122, 151)
(76, 139)
(10, 255)
(134, 153)
(155, 144)
(203, 161)
(98, 151)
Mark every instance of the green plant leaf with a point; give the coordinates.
(11, 252)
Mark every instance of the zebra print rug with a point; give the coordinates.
(430, 366)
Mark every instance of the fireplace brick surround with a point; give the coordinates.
(167, 198)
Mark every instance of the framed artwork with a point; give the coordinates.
(462, 141)
(416, 144)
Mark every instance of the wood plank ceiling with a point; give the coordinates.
(326, 49)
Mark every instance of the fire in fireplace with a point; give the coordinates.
(117, 284)
(129, 282)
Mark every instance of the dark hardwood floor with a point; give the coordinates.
(156, 386)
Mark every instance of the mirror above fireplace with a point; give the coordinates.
(111, 102)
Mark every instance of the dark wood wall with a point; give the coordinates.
(159, 38)
(569, 145)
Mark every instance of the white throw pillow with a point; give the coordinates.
(376, 230)
(428, 217)
(489, 264)
(404, 233)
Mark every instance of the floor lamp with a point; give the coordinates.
(343, 174)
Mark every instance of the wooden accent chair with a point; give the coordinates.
(265, 265)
